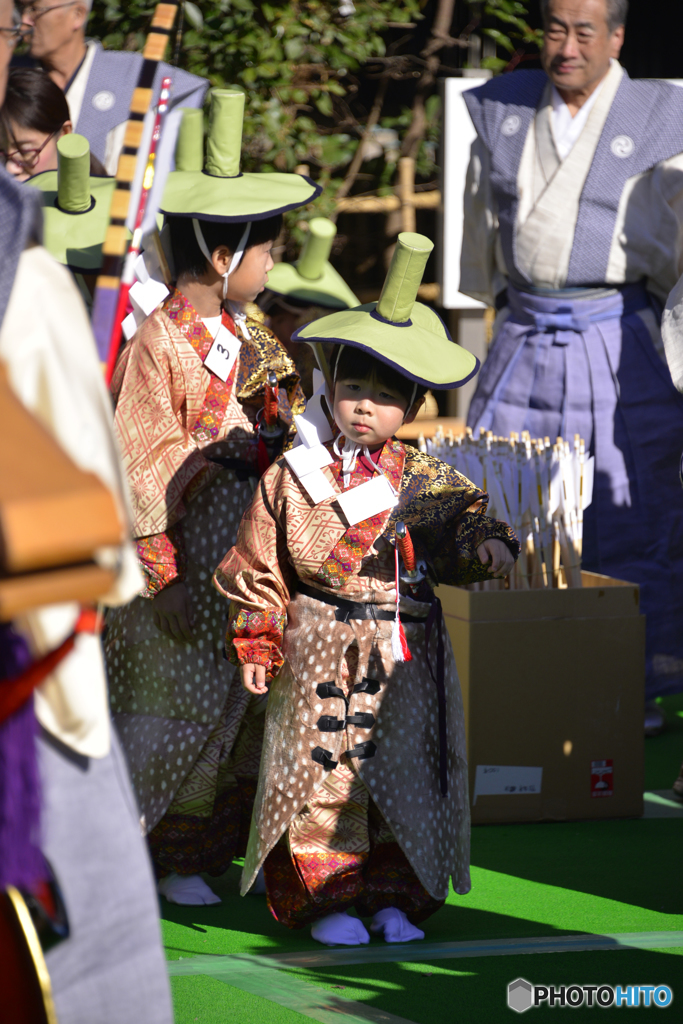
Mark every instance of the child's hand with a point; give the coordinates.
(172, 612)
(499, 554)
(254, 678)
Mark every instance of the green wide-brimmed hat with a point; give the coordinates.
(215, 189)
(405, 334)
(313, 281)
(76, 207)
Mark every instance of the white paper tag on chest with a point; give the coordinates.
(223, 353)
(366, 500)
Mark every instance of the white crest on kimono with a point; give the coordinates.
(622, 146)
(511, 125)
(103, 100)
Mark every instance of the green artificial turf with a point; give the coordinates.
(528, 880)
(202, 1000)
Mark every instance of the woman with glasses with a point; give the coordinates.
(33, 119)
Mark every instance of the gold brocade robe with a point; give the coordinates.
(283, 538)
(173, 417)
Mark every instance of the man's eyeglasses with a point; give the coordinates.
(35, 11)
(25, 158)
(16, 34)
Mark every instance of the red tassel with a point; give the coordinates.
(407, 656)
(399, 645)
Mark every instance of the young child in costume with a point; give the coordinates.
(190, 388)
(362, 798)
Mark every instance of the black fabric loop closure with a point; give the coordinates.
(364, 719)
(370, 686)
(363, 750)
(328, 723)
(324, 757)
(325, 690)
(347, 610)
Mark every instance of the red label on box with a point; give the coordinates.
(602, 778)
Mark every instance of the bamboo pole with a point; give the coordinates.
(388, 204)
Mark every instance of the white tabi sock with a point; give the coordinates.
(187, 890)
(395, 926)
(340, 930)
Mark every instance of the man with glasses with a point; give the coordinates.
(98, 83)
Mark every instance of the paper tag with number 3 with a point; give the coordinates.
(223, 353)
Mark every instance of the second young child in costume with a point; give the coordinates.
(362, 798)
(190, 389)
(301, 292)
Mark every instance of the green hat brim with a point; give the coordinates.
(329, 290)
(75, 239)
(421, 349)
(229, 200)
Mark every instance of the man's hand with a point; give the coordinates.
(254, 678)
(499, 554)
(172, 612)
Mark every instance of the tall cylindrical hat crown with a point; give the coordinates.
(189, 150)
(224, 141)
(404, 277)
(317, 248)
(73, 173)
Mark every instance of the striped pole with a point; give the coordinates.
(115, 246)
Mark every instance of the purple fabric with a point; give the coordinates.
(21, 862)
(588, 366)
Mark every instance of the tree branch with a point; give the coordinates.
(372, 120)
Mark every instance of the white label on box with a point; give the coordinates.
(506, 780)
(367, 500)
(223, 353)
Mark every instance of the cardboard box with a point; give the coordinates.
(553, 689)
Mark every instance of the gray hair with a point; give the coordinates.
(617, 11)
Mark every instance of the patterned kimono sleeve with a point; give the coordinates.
(456, 560)
(162, 459)
(257, 578)
(162, 557)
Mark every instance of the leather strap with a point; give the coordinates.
(324, 757)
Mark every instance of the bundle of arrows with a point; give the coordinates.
(541, 489)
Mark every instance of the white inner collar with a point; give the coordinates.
(566, 129)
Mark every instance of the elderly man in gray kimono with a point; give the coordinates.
(574, 231)
(98, 83)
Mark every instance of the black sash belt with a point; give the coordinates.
(346, 610)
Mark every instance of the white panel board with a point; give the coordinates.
(458, 136)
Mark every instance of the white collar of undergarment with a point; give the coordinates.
(76, 94)
(566, 129)
(349, 455)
